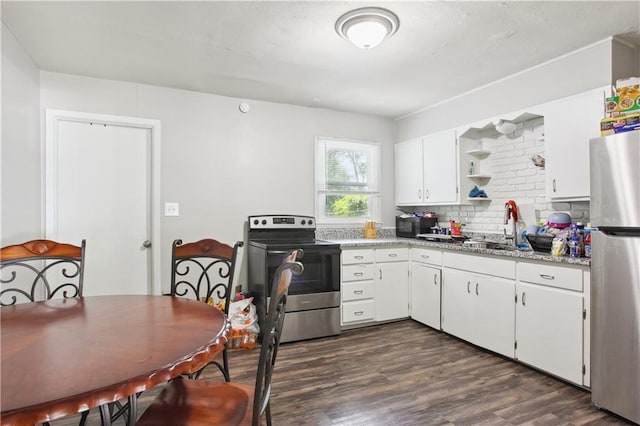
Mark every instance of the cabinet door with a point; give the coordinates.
(425, 294)
(440, 167)
(494, 314)
(392, 290)
(457, 308)
(549, 330)
(409, 185)
(569, 123)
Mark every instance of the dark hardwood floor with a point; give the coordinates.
(404, 373)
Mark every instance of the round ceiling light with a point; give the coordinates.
(367, 27)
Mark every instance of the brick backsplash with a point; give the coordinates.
(514, 176)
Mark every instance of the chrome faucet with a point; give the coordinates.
(510, 212)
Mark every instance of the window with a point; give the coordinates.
(347, 180)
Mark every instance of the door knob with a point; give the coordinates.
(146, 244)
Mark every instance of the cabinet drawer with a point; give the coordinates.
(357, 272)
(392, 254)
(551, 275)
(505, 268)
(432, 257)
(358, 311)
(357, 256)
(357, 290)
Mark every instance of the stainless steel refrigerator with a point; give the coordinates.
(615, 274)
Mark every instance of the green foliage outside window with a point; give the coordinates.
(347, 171)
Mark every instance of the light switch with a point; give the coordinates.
(171, 209)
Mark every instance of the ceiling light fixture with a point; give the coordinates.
(367, 27)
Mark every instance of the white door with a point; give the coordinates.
(99, 189)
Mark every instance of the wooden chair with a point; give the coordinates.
(40, 270)
(203, 270)
(201, 402)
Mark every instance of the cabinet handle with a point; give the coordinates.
(358, 291)
(358, 257)
(547, 276)
(477, 289)
(358, 274)
(419, 194)
(380, 270)
(554, 185)
(468, 287)
(425, 256)
(426, 193)
(523, 299)
(392, 254)
(358, 313)
(435, 279)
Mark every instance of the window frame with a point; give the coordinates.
(374, 181)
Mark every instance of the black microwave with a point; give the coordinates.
(410, 226)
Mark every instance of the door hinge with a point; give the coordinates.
(584, 314)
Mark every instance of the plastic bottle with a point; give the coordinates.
(472, 168)
(588, 230)
(574, 242)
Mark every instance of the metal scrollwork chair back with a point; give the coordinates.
(40, 270)
(198, 402)
(204, 270)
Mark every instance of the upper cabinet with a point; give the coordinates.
(569, 123)
(426, 170)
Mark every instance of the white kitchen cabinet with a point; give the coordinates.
(357, 287)
(425, 286)
(392, 283)
(550, 315)
(426, 170)
(477, 300)
(409, 176)
(569, 123)
(375, 285)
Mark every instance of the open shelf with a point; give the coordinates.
(479, 176)
(479, 153)
(478, 199)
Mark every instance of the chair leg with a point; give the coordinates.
(225, 363)
(133, 410)
(83, 418)
(268, 413)
(105, 414)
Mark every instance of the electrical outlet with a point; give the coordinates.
(171, 209)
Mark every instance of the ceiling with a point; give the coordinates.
(289, 52)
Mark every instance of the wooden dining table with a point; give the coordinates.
(65, 356)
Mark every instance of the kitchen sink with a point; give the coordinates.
(488, 244)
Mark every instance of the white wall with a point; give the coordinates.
(222, 165)
(573, 73)
(21, 178)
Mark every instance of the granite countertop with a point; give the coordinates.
(409, 242)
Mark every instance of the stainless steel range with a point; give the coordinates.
(313, 304)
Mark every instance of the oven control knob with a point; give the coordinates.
(310, 222)
(256, 221)
(303, 222)
(264, 221)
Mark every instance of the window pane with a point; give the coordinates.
(347, 206)
(347, 169)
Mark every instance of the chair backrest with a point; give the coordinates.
(40, 270)
(272, 330)
(203, 270)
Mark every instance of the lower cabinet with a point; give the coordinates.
(550, 320)
(392, 283)
(479, 308)
(424, 301)
(375, 285)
